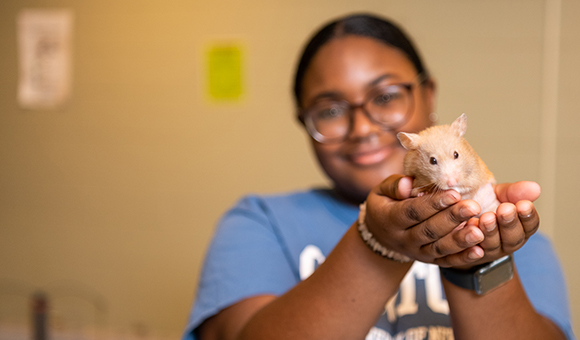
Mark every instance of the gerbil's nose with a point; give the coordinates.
(451, 182)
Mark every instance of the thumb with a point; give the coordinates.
(518, 191)
(396, 187)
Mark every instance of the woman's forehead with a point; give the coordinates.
(354, 63)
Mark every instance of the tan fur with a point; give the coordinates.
(441, 142)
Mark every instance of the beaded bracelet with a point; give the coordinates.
(372, 243)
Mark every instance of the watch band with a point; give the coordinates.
(483, 278)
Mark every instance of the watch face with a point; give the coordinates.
(494, 275)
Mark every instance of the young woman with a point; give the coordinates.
(300, 265)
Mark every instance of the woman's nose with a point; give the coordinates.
(362, 126)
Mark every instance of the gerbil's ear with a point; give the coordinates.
(409, 141)
(460, 125)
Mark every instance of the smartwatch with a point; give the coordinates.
(483, 278)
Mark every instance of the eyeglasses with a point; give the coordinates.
(388, 106)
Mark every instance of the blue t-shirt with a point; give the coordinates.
(266, 245)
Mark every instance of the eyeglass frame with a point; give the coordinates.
(408, 86)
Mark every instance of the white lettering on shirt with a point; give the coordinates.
(310, 258)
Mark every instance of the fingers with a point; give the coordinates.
(463, 237)
(512, 227)
(441, 224)
(462, 259)
(528, 217)
(517, 222)
(405, 213)
(492, 239)
(468, 251)
(500, 233)
(405, 225)
(411, 212)
(518, 191)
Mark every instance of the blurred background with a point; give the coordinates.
(176, 108)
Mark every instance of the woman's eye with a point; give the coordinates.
(385, 98)
(382, 99)
(387, 95)
(433, 160)
(330, 113)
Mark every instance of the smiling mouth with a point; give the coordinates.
(371, 157)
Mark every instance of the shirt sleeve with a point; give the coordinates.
(246, 258)
(543, 280)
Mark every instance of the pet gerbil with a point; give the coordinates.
(439, 158)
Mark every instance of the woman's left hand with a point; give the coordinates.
(515, 220)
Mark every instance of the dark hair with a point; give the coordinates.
(362, 25)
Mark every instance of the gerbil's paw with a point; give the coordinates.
(420, 194)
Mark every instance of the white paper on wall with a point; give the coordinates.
(44, 57)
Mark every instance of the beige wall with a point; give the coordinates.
(566, 232)
(113, 197)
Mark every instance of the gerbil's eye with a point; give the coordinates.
(433, 160)
(455, 155)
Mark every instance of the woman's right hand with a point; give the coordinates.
(422, 227)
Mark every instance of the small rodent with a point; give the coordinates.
(439, 158)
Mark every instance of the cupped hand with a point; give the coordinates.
(432, 228)
(514, 221)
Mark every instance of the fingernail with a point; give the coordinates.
(489, 227)
(526, 214)
(475, 254)
(448, 200)
(487, 222)
(508, 218)
(465, 212)
(474, 237)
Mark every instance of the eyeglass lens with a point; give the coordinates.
(387, 106)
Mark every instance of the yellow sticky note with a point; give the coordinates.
(224, 72)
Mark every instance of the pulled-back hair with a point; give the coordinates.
(362, 25)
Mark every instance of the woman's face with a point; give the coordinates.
(348, 68)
